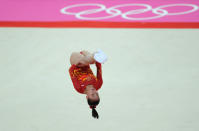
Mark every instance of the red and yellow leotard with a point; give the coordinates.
(83, 76)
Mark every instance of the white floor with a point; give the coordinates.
(151, 80)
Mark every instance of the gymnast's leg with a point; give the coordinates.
(83, 58)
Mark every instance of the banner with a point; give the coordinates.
(100, 14)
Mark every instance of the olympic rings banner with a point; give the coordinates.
(100, 14)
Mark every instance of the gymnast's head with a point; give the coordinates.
(93, 100)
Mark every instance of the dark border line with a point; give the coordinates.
(89, 24)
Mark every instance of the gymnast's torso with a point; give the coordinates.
(83, 76)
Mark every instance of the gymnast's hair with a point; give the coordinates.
(93, 105)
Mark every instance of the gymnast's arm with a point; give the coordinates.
(99, 74)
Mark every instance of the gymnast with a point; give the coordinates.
(83, 79)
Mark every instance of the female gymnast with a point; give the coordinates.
(84, 81)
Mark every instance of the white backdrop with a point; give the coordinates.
(150, 80)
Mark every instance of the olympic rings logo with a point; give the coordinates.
(114, 11)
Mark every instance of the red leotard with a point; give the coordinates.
(83, 76)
